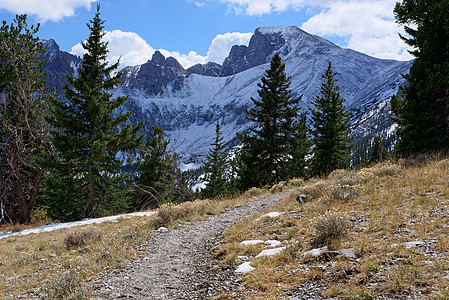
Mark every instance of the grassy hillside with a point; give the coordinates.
(57, 264)
(372, 212)
(394, 218)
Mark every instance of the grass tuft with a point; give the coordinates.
(66, 285)
(81, 238)
(330, 228)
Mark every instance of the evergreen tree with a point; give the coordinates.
(215, 167)
(300, 148)
(330, 133)
(266, 155)
(154, 166)
(378, 151)
(422, 107)
(88, 133)
(23, 130)
(180, 191)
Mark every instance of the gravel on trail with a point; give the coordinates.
(178, 264)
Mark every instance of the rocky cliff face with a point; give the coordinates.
(210, 69)
(153, 76)
(187, 103)
(58, 64)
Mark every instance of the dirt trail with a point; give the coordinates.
(177, 264)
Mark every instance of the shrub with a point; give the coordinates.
(279, 187)
(329, 227)
(66, 285)
(81, 238)
(296, 182)
(314, 191)
(342, 193)
(293, 250)
(345, 177)
(169, 213)
(386, 170)
(254, 192)
(39, 215)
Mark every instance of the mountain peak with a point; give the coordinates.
(279, 29)
(158, 59)
(289, 41)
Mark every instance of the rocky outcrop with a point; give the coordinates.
(57, 64)
(210, 69)
(155, 75)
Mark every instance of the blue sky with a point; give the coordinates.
(197, 31)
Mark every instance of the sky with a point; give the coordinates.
(199, 31)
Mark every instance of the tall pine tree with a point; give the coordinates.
(215, 167)
(23, 130)
(378, 152)
(300, 148)
(88, 134)
(422, 107)
(330, 123)
(155, 168)
(266, 155)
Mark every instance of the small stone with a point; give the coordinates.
(316, 252)
(162, 229)
(301, 199)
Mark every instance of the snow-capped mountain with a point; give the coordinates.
(187, 103)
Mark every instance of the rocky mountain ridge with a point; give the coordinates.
(186, 103)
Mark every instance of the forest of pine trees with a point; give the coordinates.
(61, 153)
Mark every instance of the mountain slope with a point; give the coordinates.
(187, 103)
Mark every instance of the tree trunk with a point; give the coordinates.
(24, 212)
(90, 199)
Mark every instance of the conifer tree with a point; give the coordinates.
(215, 167)
(266, 155)
(180, 190)
(88, 133)
(422, 107)
(154, 166)
(330, 123)
(23, 130)
(378, 152)
(300, 148)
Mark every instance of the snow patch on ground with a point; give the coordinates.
(271, 252)
(272, 243)
(244, 268)
(251, 242)
(55, 226)
(270, 215)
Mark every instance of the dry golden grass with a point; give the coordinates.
(57, 264)
(385, 206)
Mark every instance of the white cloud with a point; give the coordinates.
(128, 46)
(222, 43)
(218, 50)
(45, 10)
(134, 50)
(260, 7)
(367, 26)
(200, 4)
